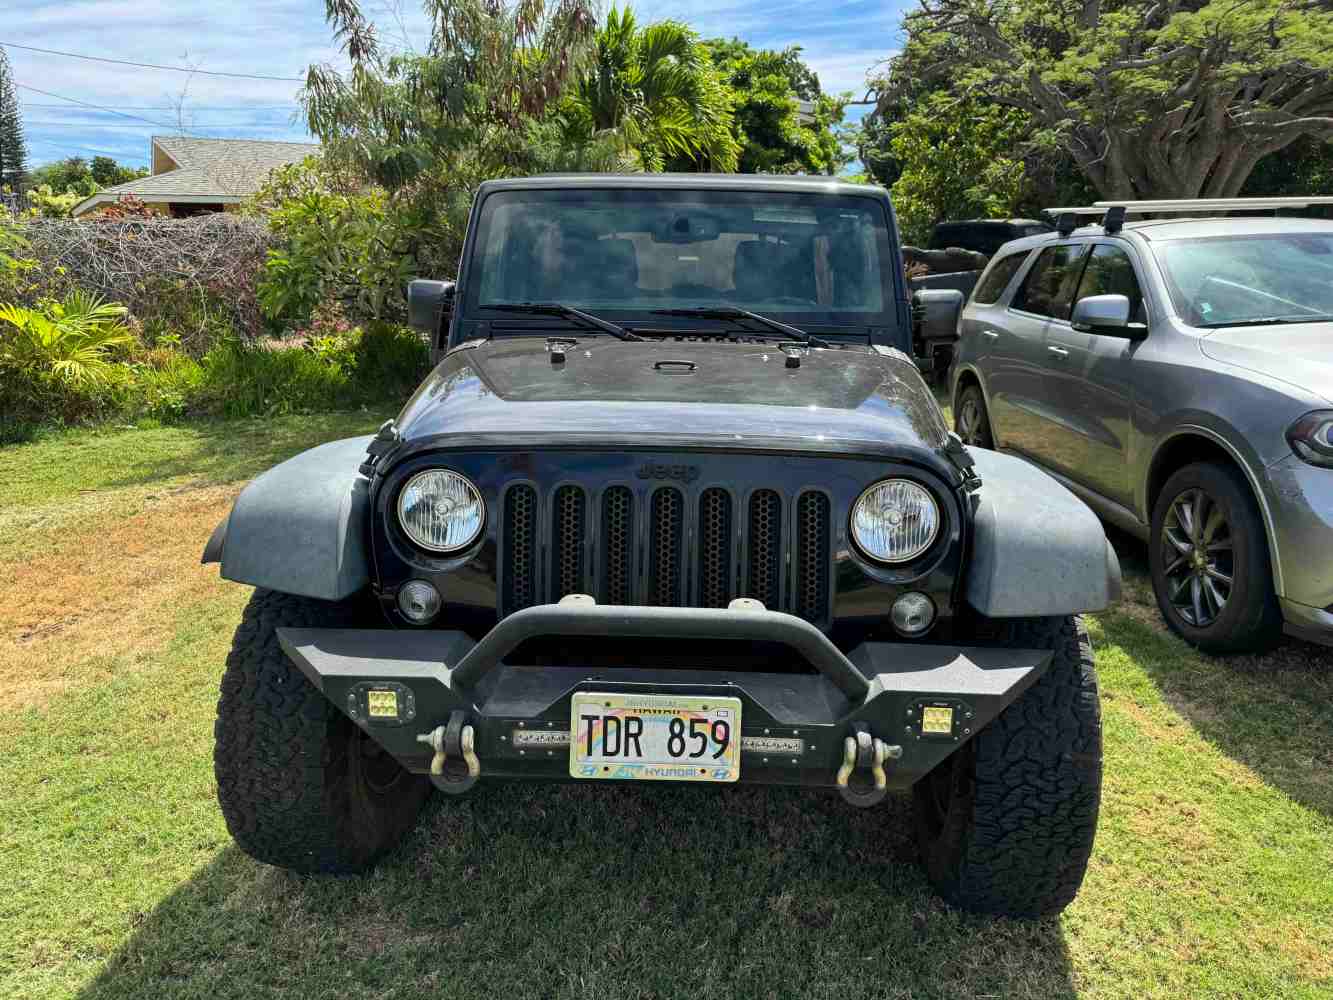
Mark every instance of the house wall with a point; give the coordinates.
(161, 161)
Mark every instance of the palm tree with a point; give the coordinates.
(656, 91)
(70, 341)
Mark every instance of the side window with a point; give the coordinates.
(1048, 290)
(1110, 272)
(996, 280)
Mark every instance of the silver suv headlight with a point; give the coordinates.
(895, 521)
(441, 511)
(1311, 438)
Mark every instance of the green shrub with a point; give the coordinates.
(354, 246)
(165, 385)
(61, 361)
(375, 365)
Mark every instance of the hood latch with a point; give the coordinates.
(956, 452)
(386, 439)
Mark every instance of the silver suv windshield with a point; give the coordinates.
(629, 253)
(1264, 280)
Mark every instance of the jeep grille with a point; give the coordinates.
(667, 546)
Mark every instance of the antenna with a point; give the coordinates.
(1114, 220)
(1066, 223)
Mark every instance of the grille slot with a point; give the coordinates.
(715, 548)
(520, 549)
(665, 548)
(617, 545)
(764, 576)
(568, 516)
(811, 598)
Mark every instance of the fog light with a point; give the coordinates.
(418, 601)
(913, 613)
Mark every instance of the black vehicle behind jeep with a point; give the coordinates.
(674, 505)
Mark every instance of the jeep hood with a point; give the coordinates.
(1300, 355)
(675, 394)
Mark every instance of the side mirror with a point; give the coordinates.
(936, 312)
(1107, 315)
(430, 306)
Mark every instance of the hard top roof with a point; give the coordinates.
(733, 182)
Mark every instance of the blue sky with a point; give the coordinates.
(841, 38)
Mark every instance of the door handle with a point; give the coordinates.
(990, 334)
(1059, 352)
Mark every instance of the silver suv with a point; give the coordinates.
(1176, 374)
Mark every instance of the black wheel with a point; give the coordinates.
(300, 785)
(1209, 560)
(971, 420)
(1006, 825)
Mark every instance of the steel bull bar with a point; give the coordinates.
(873, 720)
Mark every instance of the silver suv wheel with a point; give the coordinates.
(1197, 557)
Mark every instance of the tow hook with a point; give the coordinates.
(861, 751)
(455, 767)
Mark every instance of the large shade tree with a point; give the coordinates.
(775, 136)
(473, 104)
(1148, 98)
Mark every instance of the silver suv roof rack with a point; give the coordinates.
(1114, 212)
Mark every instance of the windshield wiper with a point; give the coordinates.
(568, 312)
(1271, 321)
(731, 312)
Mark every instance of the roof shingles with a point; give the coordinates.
(209, 169)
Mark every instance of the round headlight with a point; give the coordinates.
(441, 511)
(895, 521)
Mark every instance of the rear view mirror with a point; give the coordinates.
(936, 311)
(1106, 314)
(430, 306)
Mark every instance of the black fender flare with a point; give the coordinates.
(300, 527)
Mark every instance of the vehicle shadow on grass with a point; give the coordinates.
(1272, 712)
(573, 891)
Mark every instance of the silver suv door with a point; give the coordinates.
(983, 317)
(1090, 383)
(1020, 409)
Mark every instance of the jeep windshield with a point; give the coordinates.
(629, 254)
(1273, 279)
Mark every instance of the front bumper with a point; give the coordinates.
(1300, 498)
(794, 726)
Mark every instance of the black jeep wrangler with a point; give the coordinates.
(673, 506)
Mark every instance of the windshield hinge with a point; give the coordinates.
(962, 460)
(386, 439)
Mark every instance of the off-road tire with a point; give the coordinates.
(981, 436)
(1006, 825)
(298, 785)
(1252, 618)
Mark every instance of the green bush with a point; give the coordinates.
(374, 365)
(356, 247)
(61, 360)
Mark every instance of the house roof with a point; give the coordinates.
(210, 171)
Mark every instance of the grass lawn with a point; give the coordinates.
(1212, 874)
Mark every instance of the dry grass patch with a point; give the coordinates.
(66, 616)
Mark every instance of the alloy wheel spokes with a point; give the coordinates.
(970, 420)
(1197, 556)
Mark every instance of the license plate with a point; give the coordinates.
(649, 737)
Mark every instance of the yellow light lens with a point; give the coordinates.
(938, 721)
(382, 704)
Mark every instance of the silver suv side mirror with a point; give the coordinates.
(1106, 314)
